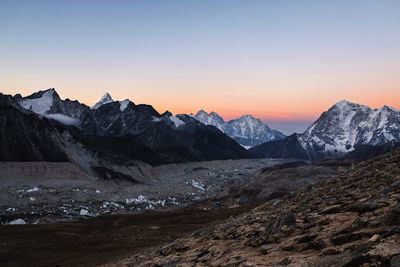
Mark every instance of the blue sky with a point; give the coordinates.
(283, 61)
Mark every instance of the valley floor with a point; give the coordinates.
(74, 220)
(51, 192)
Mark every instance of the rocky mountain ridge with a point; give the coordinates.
(111, 140)
(246, 130)
(337, 132)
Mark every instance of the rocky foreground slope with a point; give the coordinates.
(349, 220)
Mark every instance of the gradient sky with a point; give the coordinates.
(282, 61)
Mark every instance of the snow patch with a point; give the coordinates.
(155, 119)
(35, 189)
(84, 212)
(199, 185)
(177, 122)
(144, 200)
(123, 104)
(39, 105)
(17, 221)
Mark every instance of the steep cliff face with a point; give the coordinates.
(26, 137)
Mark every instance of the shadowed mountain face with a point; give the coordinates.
(342, 129)
(25, 137)
(42, 127)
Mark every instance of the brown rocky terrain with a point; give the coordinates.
(352, 219)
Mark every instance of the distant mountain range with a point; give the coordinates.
(246, 130)
(342, 129)
(111, 134)
(110, 139)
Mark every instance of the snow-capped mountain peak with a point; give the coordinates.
(49, 104)
(348, 124)
(338, 131)
(246, 130)
(210, 119)
(344, 103)
(251, 121)
(39, 102)
(105, 99)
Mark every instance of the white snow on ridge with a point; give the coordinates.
(123, 104)
(66, 120)
(210, 119)
(348, 124)
(39, 105)
(178, 122)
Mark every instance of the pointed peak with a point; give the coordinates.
(106, 98)
(167, 113)
(201, 112)
(248, 116)
(388, 108)
(214, 114)
(47, 92)
(343, 102)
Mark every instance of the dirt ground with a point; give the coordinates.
(100, 240)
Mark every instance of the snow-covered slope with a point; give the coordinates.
(177, 121)
(338, 131)
(246, 130)
(41, 104)
(123, 104)
(47, 103)
(347, 124)
(211, 119)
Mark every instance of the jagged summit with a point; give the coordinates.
(210, 119)
(344, 102)
(105, 99)
(339, 130)
(246, 130)
(39, 102)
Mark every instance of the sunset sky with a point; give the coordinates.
(282, 61)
